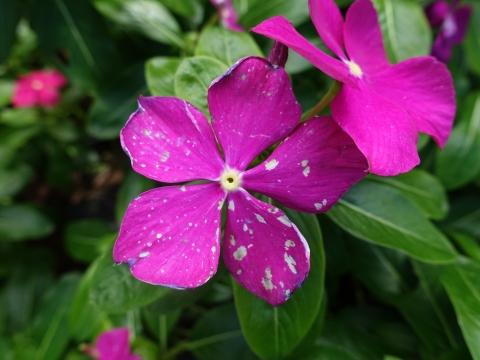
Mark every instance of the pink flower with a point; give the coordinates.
(112, 345)
(171, 235)
(227, 14)
(38, 88)
(453, 22)
(382, 107)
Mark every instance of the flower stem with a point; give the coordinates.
(332, 92)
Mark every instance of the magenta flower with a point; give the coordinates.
(171, 235)
(38, 88)
(112, 345)
(227, 14)
(452, 21)
(382, 107)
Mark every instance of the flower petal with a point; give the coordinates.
(252, 107)
(51, 78)
(113, 344)
(171, 236)
(436, 12)
(424, 88)
(383, 131)
(328, 21)
(48, 97)
(228, 15)
(170, 140)
(263, 250)
(24, 95)
(311, 169)
(363, 37)
(278, 28)
(461, 17)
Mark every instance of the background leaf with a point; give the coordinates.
(160, 75)
(23, 222)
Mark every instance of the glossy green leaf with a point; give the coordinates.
(462, 283)
(23, 222)
(194, 76)
(405, 29)
(467, 243)
(12, 181)
(82, 238)
(50, 327)
(253, 12)
(19, 117)
(422, 189)
(115, 290)
(373, 212)
(217, 335)
(471, 43)
(72, 33)
(85, 320)
(457, 164)
(274, 332)
(133, 185)
(189, 8)
(116, 103)
(225, 45)
(9, 18)
(160, 75)
(148, 17)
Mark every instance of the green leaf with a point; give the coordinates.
(405, 29)
(115, 290)
(116, 103)
(457, 164)
(253, 12)
(374, 212)
(148, 17)
(217, 335)
(194, 76)
(189, 8)
(6, 86)
(225, 45)
(133, 185)
(422, 189)
(274, 332)
(160, 75)
(472, 40)
(9, 18)
(467, 243)
(12, 181)
(462, 283)
(23, 222)
(85, 320)
(72, 33)
(83, 237)
(19, 117)
(50, 327)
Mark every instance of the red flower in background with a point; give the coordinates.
(38, 88)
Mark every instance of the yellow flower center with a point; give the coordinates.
(230, 180)
(355, 70)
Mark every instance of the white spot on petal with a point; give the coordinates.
(232, 240)
(272, 164)
(245, 227)
(304, 163)
(239, 272)
(284, 220)
(324, 202)
(231, 205)
(182, 188)
(214, 248)
(306, 171)
(220, 204)
(143, 254)
(290, 262)
(318, 206)
(260, 218)
(289, 243)
(240, 253)
(267, 280)
(159, 236)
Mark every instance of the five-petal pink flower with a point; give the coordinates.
(38, 88)
(112, 345)
(381, 106)
(227, 14)
(452, 21)
(171, 235)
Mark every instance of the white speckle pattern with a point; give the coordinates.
(284, 220)
(260, 218)
(291, 263)
(304, 163)
(231, 205)
(306, 171)
(220, 204)
(318, 206)
(245, 227)
(159, 236)
(267, 280)
(232, 240)
(272, 164)
(183, 188)
(289, 243)
(324, 202)
(239, 272)
(240, 253)
(143, 254)
(214, 248)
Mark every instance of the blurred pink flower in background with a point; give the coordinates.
(112, 345)
(452, 21)
(38, 88)
(228, 15)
